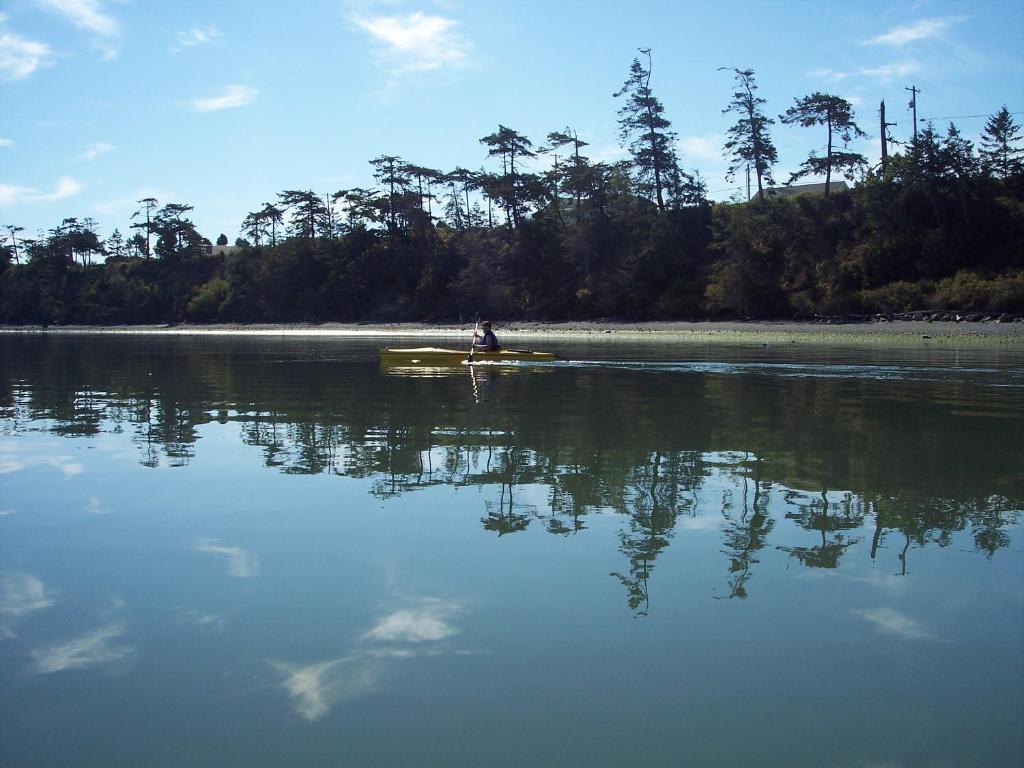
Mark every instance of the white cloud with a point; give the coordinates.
(891, 622)
(919, 30)
(197, 36)
(85, 14)
(707, 148)
(830, 75)
(240, 562)
(88, 650)
(19, 57)
(416, 41)
(897, 70)
(130, 204)
(609, 153)
(6, 143)
(107, 52)
(95, 150)
(66, 187)
(233, 96)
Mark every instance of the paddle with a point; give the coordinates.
(472, 344)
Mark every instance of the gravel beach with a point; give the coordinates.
(899, 332)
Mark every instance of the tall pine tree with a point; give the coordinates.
(837, 115)
(750, 144)
(999, 153)
(646, 132)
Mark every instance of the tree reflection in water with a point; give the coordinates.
(746, 532)
(844, 461)
(830, 519)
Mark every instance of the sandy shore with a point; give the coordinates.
(897, 332)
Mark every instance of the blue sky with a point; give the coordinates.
(222, 104)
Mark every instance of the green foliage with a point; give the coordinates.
(901, 296)
(1000, 150)
(749, 144)
(836, 114)
(646, 132)
(206, 302)
(940, 227)
(969, 291)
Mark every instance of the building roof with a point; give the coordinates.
(817, 188)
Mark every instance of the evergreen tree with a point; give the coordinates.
(645, 131)
(254, 227)
(116, 245)
(837, 115)
(274, 217)
(12, 232)
(309, 214)
(74, 238)
(574, 176)
(469, 181)
(749, 143)
(392, 171)
(1000, 153)
(147, 206)
(222, 239)
(363, 206)
(508, 187)
(961, 165)
(176, 234)
(453, 208)
(137, 244)
(425, 177)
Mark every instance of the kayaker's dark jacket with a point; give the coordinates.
(489, 342)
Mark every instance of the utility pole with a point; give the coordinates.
(885, 135)
(914, 90)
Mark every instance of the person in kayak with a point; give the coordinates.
(485, 341)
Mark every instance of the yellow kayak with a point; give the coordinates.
(439, 356)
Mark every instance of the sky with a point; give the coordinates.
(222, 104)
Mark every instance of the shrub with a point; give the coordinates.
(205, 304)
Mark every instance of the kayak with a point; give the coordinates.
(439, 356)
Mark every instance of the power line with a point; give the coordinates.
(964, 117)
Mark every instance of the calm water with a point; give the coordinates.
(266, 552)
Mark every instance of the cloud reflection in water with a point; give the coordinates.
(204, 620)
(892, 622)
(92, 649)
(426, 622)
(315, 688)
(13, 460)
(20, 595)
(241, 562)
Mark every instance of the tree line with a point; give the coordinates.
(938, 224)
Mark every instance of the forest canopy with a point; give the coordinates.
(938, 224)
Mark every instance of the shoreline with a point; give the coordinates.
(893, 332)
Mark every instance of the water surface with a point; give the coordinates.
(238, 551)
